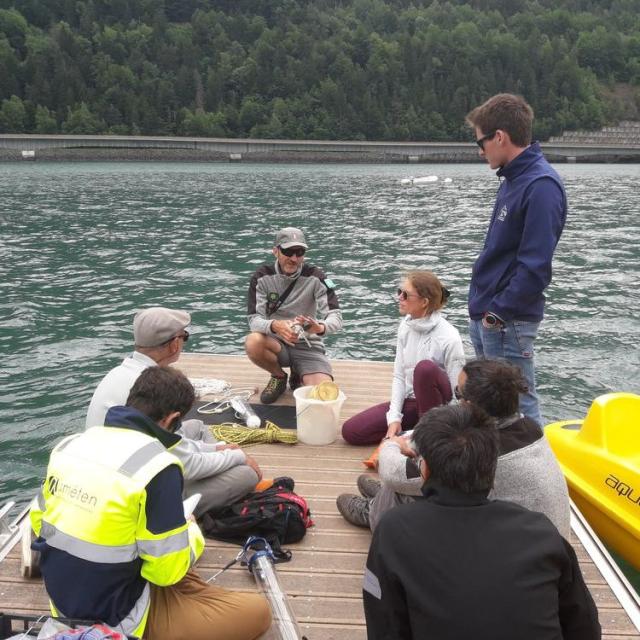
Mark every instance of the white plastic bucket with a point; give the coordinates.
(317, 420)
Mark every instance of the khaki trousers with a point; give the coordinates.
(195, 610)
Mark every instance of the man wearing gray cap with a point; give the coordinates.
(221, 473)
(159, 335)
(291, 307)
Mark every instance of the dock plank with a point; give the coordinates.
(324, 578)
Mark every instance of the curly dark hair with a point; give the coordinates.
(493, 385)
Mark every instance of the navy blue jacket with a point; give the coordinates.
(102, 591)
(514, 267)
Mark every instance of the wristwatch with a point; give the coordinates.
(492, 320)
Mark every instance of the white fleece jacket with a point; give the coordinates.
(432, 338)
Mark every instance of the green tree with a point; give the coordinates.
(9, 69)
(14, 27)
(81, 120)
(13, 115)
(44, 121)
(203, 124)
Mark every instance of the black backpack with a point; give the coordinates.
(277, 514)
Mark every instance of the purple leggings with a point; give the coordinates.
(431, 388)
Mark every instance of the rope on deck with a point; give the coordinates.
(245, 436)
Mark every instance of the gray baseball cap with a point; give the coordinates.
(157, 325)
(290, 237)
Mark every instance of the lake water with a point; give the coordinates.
(84, 245)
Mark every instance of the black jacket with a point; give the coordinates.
(460, 567)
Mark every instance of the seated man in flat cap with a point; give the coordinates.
(221, 473)
(291, 307)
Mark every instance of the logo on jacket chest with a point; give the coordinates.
(502, 214)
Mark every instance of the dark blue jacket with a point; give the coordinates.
(514, 268)
(107, 592)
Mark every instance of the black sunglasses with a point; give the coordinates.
(458, 394)
(293, 251)
(480, 141)
(403, 295)
(184, 336)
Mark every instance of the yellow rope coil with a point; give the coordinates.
(239, 434)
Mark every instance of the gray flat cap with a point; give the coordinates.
(156, 325)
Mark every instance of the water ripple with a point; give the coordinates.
(84, 245)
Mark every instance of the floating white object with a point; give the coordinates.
(447, 180)
(419, 180)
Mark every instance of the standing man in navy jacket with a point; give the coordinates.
(506, 300)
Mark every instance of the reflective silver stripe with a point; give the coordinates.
(87, 550)
(134, 618)
(157, 548)
(372, 584)
(141, 457)
(42, 503)
(65, 443)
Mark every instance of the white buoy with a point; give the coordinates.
(425, 179)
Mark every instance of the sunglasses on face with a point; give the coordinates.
(293, 251)
(480, 142)
(403, 294)
(184, 336)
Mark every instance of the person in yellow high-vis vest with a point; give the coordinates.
(115, 545)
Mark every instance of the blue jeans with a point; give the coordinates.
(514, 343)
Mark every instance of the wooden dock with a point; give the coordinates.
(324, 578)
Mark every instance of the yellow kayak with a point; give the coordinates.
(600, 459)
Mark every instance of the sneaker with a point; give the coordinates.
(274, 389)
(295, 380)
(368, 486)
(354, 509)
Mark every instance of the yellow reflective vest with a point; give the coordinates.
(92, 506)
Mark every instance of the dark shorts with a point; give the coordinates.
(303, 359)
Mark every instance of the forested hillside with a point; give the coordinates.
(327, 69)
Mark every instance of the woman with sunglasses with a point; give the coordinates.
(429, 356)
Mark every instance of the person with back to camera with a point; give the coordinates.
(429, 356)
(221, 473)
(527, 472)
(459, 566)
(116, 544)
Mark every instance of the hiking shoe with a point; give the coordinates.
(368, 486)
(295, 380)
(354, 509)
(274, 389)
